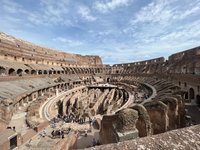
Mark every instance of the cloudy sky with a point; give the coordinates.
(117, 30)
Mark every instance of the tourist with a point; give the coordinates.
(98, 143)
(52, 133)
(62, 134)
(14, 129)
(44, 133)
(94, 142)
(85, 133)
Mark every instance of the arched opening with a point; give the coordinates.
(89, 70)
(33, 72)
(186, 95)
(26, 71)
(39, 71)
(198, 100)
(85, 71)
(108, 79)
(80, 71)
(62, 72)
(60, 107)
(11, 72)
(50, 72)
(92, 71)
(191, 93)
(2, 71)
(72, 70)
(58, 72)
(76, 70)
(40, 93)
(19, 72)
(54, 72)
(67, 71)
(45, 71)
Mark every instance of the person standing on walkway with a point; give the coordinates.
(94, 142)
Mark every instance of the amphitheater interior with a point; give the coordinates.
(43, 91)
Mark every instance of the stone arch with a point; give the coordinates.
(197, 68)
(45, 72)
(92, 70)
(27, 71)
(60, 107)
(11, 71)
(81, 71)
(40, 93)
(50, 72)
(98, 70)
(89, 70)
(72, 70)
(186, 95)
(39, 71)
(191, 94)
(19, 72)
(198, 100)
(67, 70)
(84, 70)
(2, 70)
(33, 71)
(78, 70)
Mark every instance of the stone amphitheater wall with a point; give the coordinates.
(164, 111)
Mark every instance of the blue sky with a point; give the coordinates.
(117, 30)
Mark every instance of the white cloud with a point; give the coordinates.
(110, 5)
(85, 13)
(68, 42)
(104, 33)
(183, 33)
(156, 12)
(51, 13)
(165, 11)
(11, 6)
(54, 8)
(194, 9)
